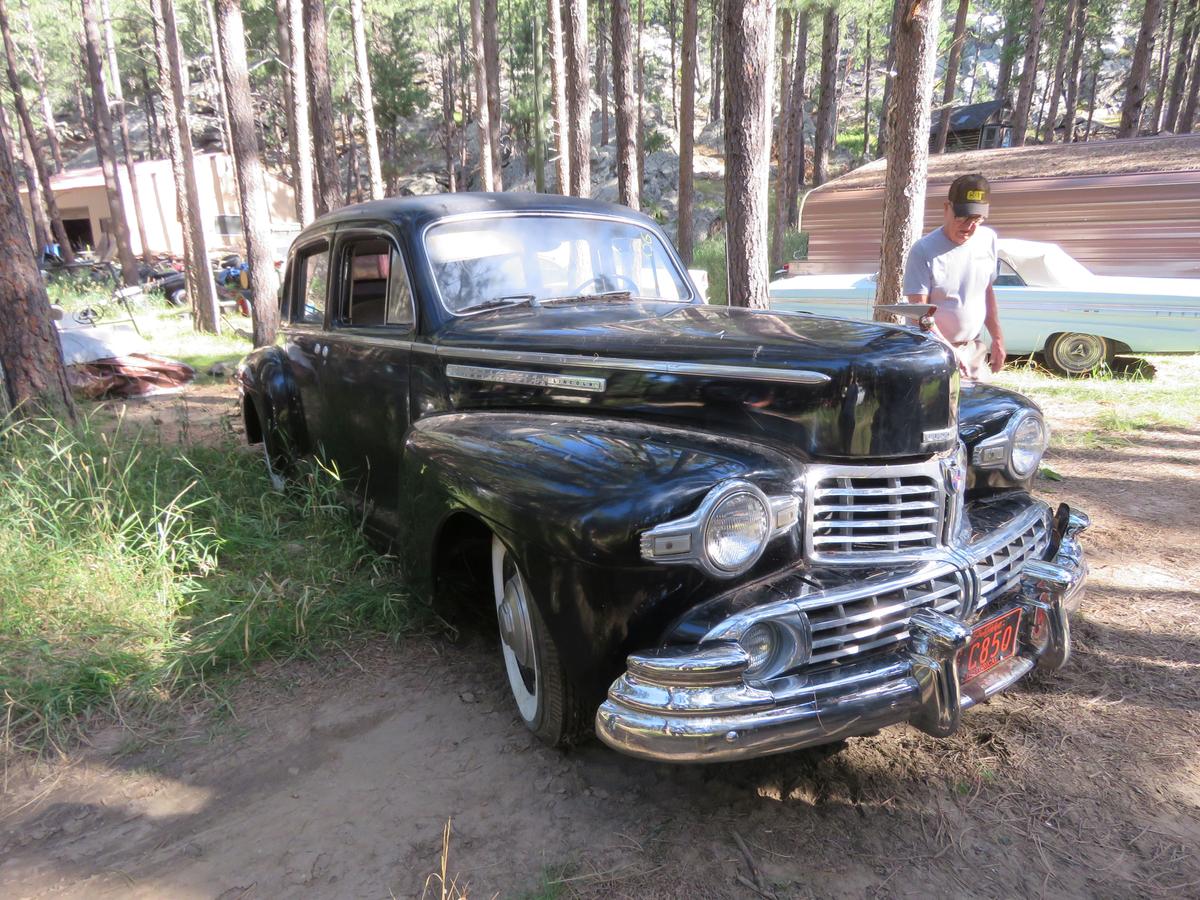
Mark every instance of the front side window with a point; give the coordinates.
(488, 261)
(312, 269)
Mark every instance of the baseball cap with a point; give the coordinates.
(969, 195)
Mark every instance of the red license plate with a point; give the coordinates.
(992, 642)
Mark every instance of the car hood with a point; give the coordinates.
(819, 387)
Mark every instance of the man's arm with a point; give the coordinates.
(936, 332)
(992, 321)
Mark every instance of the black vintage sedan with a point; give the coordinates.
(707, 532)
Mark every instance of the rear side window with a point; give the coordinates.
(376, 288)
(312, 274)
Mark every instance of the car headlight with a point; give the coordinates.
(1018, 448)
(736, 532)
(1028, 445)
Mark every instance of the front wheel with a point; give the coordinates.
(548, 705)
(1075, 353)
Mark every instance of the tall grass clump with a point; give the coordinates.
(131, 570)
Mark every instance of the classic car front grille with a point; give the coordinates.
(851, 516)
(842, 630)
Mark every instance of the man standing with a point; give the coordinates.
(953, 268)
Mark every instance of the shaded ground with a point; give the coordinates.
(337, 777)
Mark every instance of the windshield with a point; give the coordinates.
(489, 262)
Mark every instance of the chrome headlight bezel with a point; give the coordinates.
(683, 541)
(998, 451)
(790, 639)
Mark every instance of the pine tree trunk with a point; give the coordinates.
(366, 99)
(1164, 69)
(1020, 120)
(104, 146)
(867, 97)
(320, 98)
(539, 112)
(1099, 58)
(715, 76)
(482, 107)
(1139, 71)
(641, 98)
(749, 29)
(287, 60)
(301, 150)
(1187, 115)
(785, 84)
(795, 126)
(602, 69)
(908, 145)
(43, 174)
(1076, 70)
(23, 162)
(252, 194)
(950, 79)
(491, 54)
(672, 34)
(152, 132)
(118, 100)
(579, 98)
(1187, 47)
(1008, 54)
(622, 44)
(39, 79)
(197, 272)
(558, 87)
(687, 131)
(898, 8)
(33, 381)
(827, 108)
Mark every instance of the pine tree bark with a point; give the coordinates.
(287, 59)
(33, 381)
(1060, 65)
(37, 202)
(38, 68)
(579, 98)
(687, 131)
(1078, 39)
(1187, 115)
(622, 43)
(26, 121)
(641, 98)
(716, 79)
(118, 101)
(950, 79)
(105, 150)
(482, 107)
(366, 99)
(799, 95)
(1008, 53)
(539, 112)
(301, 149)
(827, 106)
(491, 55)
(673, 35)
(320, 98)
(785, 85)
(908, 146)
(197, 272)
(602, 68)
(1164, 68)
(749, 29)
(1139, 71)
(1020, 119)
(1187, 47)
(252, 194)
(867, 96)
(152, 132)
(898, 8)
(558, 87)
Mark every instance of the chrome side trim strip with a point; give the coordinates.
(532, 379)
(659, 367)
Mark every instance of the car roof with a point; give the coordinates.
(419, 211)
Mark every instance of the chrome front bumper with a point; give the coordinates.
(692, 704)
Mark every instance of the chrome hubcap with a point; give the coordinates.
(1081, 352)
(513, 614)
(516, 631)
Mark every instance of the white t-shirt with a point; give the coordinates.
(956, 278)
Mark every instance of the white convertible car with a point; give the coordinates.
(1049, 303)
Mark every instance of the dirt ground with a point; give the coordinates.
(337, 778)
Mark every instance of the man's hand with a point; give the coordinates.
(997, 356)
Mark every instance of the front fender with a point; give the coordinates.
(983, 411)
(265, 379)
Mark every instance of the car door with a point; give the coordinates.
(306, 293)
(365, 374)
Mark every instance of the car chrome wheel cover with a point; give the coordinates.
(516, 631)
(1079, 352)
(273, 475)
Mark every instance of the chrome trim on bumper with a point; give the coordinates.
(693, 704)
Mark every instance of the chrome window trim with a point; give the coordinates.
(672, 253)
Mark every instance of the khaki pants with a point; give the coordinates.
(974, 357)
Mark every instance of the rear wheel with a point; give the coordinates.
(1075, 353)
(177, 297)
(548, 705)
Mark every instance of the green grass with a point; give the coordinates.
(131, 571)
(709, 255)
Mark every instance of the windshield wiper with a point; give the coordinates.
(604, 297)
(500, 302)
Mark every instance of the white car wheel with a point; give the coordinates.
(1074, 353)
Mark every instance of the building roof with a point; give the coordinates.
(1164, 153)
(969, 118)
